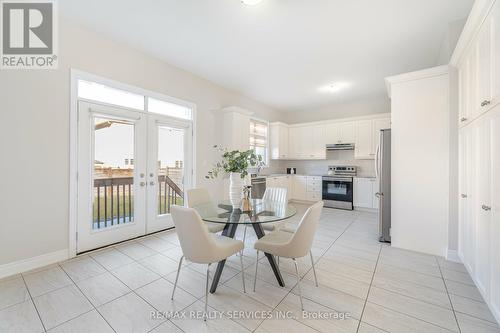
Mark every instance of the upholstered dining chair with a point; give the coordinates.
(200, 196)
(200, 246)
(292, 245)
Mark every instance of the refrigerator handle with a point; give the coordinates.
(376, 161)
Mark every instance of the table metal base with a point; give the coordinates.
(230, 231)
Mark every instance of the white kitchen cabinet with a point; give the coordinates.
(341, 132)
(495, 56)
(318, 142)
(364, 193)
(379, 124)
(307, 142)
(236, 129)
(368, 136)
(364, 140)
(483, 190)
(299, 187)
(278, 144)
(484, 65)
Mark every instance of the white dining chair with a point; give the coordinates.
(200, 196)
(292, 245)
(200, 246)
(277, 194)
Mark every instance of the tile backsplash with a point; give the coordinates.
(366, 168)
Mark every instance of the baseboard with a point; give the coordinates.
(452, 255)
(24, 265)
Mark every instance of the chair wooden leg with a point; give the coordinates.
(206, 293)
(242, 274)
(314, 269)
(177, 276)
(256, 266)
(298, 283)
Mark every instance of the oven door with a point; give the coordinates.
(338, 192)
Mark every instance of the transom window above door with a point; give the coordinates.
(170, 107)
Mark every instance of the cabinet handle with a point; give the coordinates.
(463, 119)
(463, 195)
(485, 102)
(486, 208)
(378, 194)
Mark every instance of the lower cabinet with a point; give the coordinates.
(479, 205)
(306, 188)
(364, 193)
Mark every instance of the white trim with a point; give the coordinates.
(477, 16)
(452, 255)
(76, 75)
(417, 75)
(25, 265)
(335, 120)
(236, 109)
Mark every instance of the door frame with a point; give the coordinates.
(76, 75)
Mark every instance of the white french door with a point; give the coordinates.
(169, 141)
(131, 170)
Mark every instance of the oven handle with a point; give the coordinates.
(331, 179)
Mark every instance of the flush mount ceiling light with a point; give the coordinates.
(334, 87)
(251, 2)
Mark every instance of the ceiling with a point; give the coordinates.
(281, 52)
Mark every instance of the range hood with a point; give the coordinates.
(340, 146)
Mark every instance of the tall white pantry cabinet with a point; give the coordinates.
(479, 157)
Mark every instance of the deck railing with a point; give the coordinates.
(114, 199)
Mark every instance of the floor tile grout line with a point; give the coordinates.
(34, 305)
(449, 298)
(412, 316)
(369, 289)
(290, 291)
(94, 307)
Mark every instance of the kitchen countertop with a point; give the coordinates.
(313, 175)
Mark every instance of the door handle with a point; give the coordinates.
(463, 195)
(151, 183)
(485, 102)
(378, 194)
(142, 184)
(486, 208)
(463, 119)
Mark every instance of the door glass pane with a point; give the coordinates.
(170, 168)
(113, 176)
(102, 93)
(169, 109)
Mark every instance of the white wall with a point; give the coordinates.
(34, 133)
(420, 161)
(362, 107)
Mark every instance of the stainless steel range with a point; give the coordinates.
(338, 187)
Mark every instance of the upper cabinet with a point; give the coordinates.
(236, 125)
(479, 71)
(368, 136)
(343, 132)
(279, 141)
(308, 141)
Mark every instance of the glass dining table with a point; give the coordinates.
(261, 212)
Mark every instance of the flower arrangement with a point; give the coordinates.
(235, 161)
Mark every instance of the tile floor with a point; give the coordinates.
(383, 289)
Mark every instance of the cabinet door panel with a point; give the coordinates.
(464, 195)
(470, 226)
(495, 210)
(347, 132)
(364, 140)
(332, 134)
(379, 124)
(363, 190)
(484, 74)
(495, 54)
(483, 186)
(463, 82)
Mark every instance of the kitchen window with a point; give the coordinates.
(259, 130)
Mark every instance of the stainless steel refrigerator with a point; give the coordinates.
(383, 172)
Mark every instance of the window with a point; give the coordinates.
(258, 138)
(106, 94)
(102, 93)
(168, 109)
